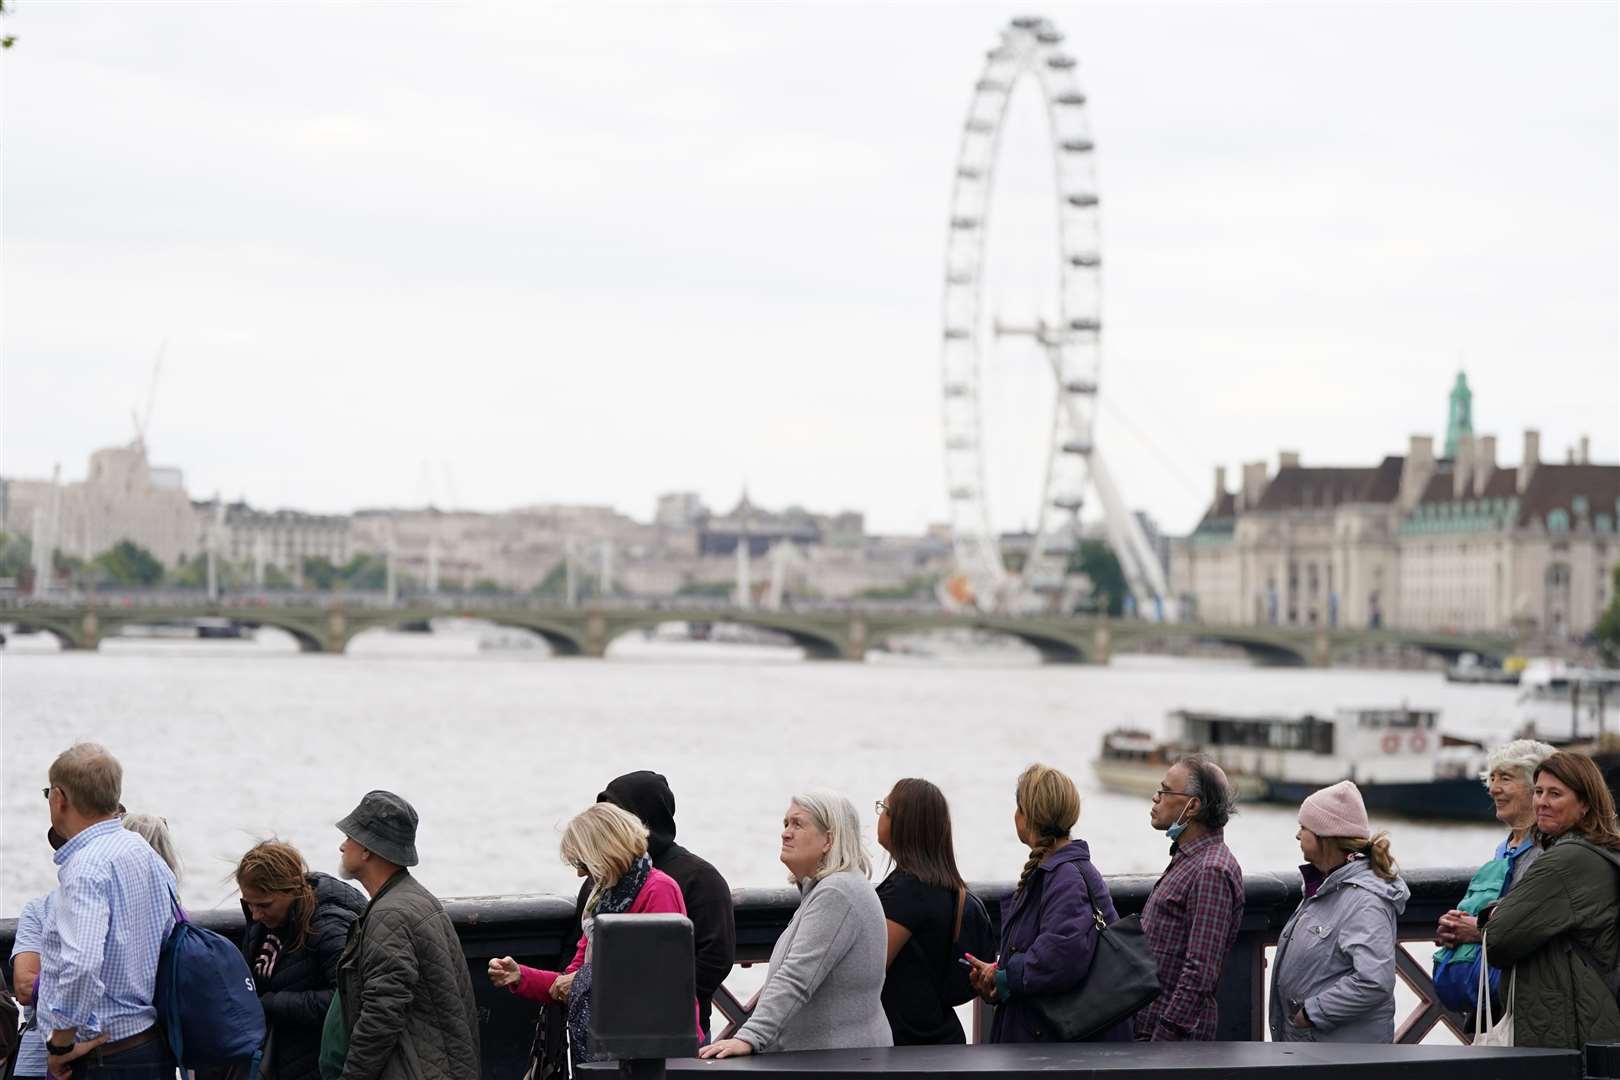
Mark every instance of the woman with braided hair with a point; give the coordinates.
(1049, 924)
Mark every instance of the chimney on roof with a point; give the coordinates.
(1254, 484)
(1416, 470)
(1220, 483)
(1586, 450)
(1530, 459)
(1462, 469)
(1484, 462)
(1287, 459)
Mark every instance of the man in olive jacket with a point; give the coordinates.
(1555, 929)
(407, 996)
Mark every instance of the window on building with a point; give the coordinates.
(1558, 521)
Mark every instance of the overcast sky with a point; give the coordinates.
(593, 253)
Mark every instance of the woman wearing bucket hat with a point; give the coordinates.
(1333, 978)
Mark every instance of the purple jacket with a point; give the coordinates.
(1048, 937)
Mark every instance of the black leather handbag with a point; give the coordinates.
(1123, 979)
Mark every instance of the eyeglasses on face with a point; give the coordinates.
(881, 807)
(47, 791)
(1164, 793)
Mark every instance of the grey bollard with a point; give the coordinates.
(643, 991)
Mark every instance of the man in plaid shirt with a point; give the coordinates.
(1191, 918)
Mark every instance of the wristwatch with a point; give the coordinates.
(56, 1050)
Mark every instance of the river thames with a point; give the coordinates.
(237, 741)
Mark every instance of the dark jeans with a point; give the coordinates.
(149, 1061)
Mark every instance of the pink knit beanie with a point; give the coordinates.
(1336, 811)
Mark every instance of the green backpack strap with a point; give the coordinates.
(334, 1039)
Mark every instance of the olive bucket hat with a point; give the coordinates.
(385, 825)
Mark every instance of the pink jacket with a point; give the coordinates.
(660, 895)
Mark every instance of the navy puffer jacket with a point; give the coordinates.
(299, 990)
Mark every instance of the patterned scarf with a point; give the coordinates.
(612, 901)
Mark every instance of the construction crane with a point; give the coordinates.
(143, 419)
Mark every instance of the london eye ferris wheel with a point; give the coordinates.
(1067, 331)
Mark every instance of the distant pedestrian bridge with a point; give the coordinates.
(329, 622)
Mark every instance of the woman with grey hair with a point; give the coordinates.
(824, 987)
(155, 831)
(1508, 778)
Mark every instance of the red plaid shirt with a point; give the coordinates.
(1191, 922)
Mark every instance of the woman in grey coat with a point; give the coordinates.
(1333, 978)
(824, 987)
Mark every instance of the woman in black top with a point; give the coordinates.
(919, 900)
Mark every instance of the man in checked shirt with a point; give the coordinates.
(1191, 918)
(99, 952)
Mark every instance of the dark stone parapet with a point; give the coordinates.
(540, 931)
(1146, 1061)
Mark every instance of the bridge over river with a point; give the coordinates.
(328, 624)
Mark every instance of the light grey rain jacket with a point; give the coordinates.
(1337, 957)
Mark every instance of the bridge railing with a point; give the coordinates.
(540, 931)
(448, 602)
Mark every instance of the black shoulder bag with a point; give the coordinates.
(1122, 980)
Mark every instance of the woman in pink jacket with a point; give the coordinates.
(609, 845)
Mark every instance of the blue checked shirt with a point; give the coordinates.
(31, 939)
(99, 963)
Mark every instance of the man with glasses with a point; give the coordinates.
(104, 932)
(1192, 915)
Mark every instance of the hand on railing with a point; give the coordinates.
(726, 1048)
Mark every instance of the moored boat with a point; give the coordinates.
(1398, 758)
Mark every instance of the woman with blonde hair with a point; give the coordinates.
(297, 923)
(824, 987)
(1333, 978)
(609, 845)
(1049, 924)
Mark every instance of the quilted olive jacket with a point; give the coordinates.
(1571, 894)
(407, 995)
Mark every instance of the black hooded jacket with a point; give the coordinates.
(299, 989)
(708, 897)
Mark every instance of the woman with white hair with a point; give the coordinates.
(155, 831)
(609, 845)
(824, 987)
(1509, 779)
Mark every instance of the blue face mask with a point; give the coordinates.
(1174, 832)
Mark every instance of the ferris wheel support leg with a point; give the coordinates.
(1143, 573)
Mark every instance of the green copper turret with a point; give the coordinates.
(1461, 419)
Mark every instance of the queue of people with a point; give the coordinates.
(374, 985)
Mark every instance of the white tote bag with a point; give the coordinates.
(1487, 1032)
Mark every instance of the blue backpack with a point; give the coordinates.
(206, 1000)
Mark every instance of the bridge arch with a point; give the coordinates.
(68, 638)
(1053, 646)
(1261, 649)
(817, 645)
(563, 640)
(307, 641)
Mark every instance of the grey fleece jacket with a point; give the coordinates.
(1337, 957)
(824, 987)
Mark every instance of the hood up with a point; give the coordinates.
(646, 795)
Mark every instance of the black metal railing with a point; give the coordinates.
(539, 931)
